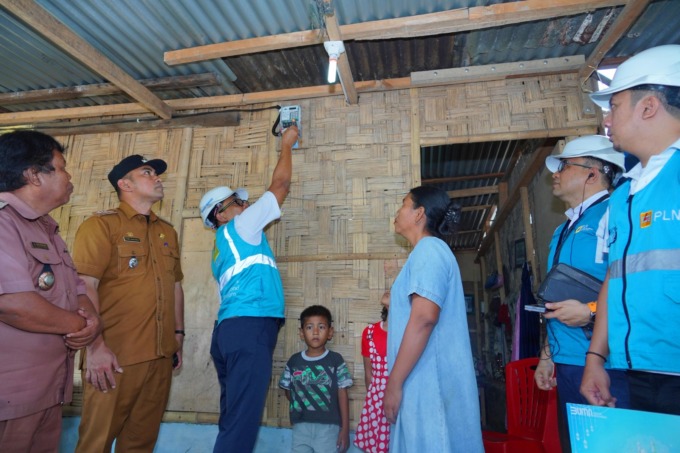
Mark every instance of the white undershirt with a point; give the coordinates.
(640, 177)
(250, 223)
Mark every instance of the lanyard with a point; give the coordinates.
(566, 229)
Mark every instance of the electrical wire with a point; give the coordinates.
(153, 118)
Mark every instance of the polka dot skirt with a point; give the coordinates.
(373, 430)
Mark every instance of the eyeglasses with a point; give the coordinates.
(564, 163)
(236, 200)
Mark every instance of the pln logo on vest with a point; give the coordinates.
(658, 216)
(645, 219)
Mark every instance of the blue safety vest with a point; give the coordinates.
(247, 276)
(568, 345)
(644, 274)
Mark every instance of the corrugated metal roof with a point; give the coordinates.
(458, 167)
(657, 25)
(134, 34)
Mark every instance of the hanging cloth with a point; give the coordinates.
(529, 322)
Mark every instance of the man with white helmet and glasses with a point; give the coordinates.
(251, 300)
(639, 305)
(582, 176)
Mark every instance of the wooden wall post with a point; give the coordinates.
(528, 233)
(499, 264)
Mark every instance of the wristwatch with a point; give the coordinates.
(593, 310)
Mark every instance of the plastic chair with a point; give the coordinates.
(531, 414)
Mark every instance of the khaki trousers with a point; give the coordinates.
(131, 413)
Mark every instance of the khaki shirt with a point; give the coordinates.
(137, 264)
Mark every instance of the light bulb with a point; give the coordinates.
(332, 68)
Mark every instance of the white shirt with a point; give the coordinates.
(573, 214)
(640, 177)
(250, 223)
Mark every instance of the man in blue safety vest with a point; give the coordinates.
(639, 305)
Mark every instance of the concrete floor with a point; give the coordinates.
(195, 438)
(192, 438)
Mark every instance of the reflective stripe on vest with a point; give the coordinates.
(240, 265)
(652, 260)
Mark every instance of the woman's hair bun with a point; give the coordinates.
(449, 224)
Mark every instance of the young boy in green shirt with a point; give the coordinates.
(316, 382)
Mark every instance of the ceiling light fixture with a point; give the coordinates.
(334, 49)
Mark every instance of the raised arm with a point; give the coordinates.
(283, 172)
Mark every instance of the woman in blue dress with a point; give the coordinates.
(431, 397)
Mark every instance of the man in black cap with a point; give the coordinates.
(129, 260)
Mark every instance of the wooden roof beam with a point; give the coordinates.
(147, 123)
(106, 89)
(243, 47)
(628, 16)
(232, 100)
(475, 18)
(472, 192)
(47, 25)
(346, 78)
(453, 21)
(479, 207)
(498, 71)
(462, 178)
(533, 167)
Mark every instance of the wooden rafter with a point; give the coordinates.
(346, 78)
(628, 16)
(106, 89)
(494, 72)
(208, 119)
(536, 163)
(463, 178)
(475, 18)
(47, 25)
(478, 207)
(244, 47)
(213, 102)
(473, 192)
(454, 21)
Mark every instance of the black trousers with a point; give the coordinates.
(654, 392)
(242, 351)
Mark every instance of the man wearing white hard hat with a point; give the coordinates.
(251, 300)
(639, 307)
(582, 177)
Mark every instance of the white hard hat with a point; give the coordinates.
(597, 146)
(656, 66)
(217, 195)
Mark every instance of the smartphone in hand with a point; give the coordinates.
(538, 308)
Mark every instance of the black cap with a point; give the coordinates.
(128, 164)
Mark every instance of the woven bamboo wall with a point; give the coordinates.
(549, 106)
(335, 243)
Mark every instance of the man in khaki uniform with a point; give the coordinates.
(129, 260)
